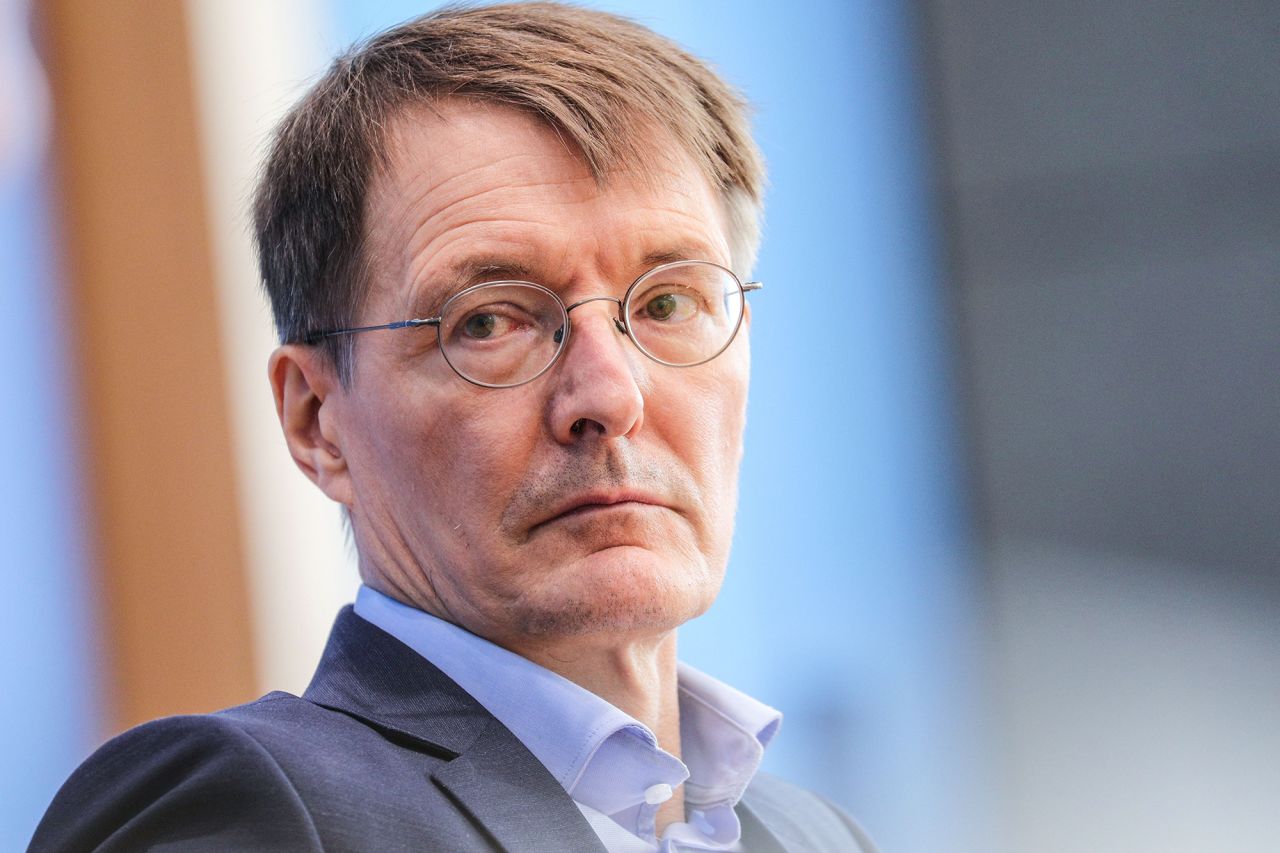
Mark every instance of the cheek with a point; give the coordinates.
(474, 463)
(426, 469)
(710, 437)
(394, 471)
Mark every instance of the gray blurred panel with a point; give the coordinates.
(1138, 706)
(1111, 173)
(1043, 89)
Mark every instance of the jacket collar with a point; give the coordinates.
(369, 674)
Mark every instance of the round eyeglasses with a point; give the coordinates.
(505, 333)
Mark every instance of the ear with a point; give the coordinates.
(309, 399)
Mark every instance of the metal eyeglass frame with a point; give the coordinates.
(622, 322)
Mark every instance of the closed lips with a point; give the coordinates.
(585, 503)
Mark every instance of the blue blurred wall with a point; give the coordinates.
(850, 600)
(48, 709)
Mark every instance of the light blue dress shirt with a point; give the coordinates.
(609, 763)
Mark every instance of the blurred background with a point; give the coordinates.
(1007, 554)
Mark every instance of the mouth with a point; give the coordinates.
(581, 506)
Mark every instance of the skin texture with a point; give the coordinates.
(579, 519)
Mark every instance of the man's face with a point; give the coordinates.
(596, 499)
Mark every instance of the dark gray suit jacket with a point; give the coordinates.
(382, 752)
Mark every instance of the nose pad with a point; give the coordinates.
(558, 336)
(617, 324)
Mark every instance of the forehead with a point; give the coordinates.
(470, 183)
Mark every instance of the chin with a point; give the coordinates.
(619, 590)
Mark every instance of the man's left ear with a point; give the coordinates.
(309, 401)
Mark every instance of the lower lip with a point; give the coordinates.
(593, 509)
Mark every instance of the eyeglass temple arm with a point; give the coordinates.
(312, 337)
(748, 286)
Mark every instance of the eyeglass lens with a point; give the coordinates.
(506, 333)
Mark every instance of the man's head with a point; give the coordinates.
(534, 142)
(605, 85)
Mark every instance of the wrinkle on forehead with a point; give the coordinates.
(658, 163)
(415, 204)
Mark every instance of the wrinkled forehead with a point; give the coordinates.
(461, 159)
(454, 128)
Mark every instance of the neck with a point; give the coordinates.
(638, 678)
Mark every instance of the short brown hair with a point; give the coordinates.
(603, 82)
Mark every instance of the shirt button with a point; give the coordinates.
(659, 793)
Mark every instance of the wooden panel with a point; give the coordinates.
(157, 442)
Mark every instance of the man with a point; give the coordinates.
(505, 248)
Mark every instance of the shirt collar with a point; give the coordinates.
(602, 757)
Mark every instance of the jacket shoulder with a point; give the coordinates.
(281, 773)
(803, 820)
(201, 782)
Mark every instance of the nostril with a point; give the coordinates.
(581, 425)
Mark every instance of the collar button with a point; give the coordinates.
(657, 794)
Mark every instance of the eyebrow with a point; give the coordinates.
(465, 272)
(668, 256)
(475, 270)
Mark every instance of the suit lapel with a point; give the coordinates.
(367, 673)
(756, 836)
(521, 805)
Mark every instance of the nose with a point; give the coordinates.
(597, 384)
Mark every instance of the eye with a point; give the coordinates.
(491, 323)
(480, 325)
(669, 306)
(502, 319)
(661, 307)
